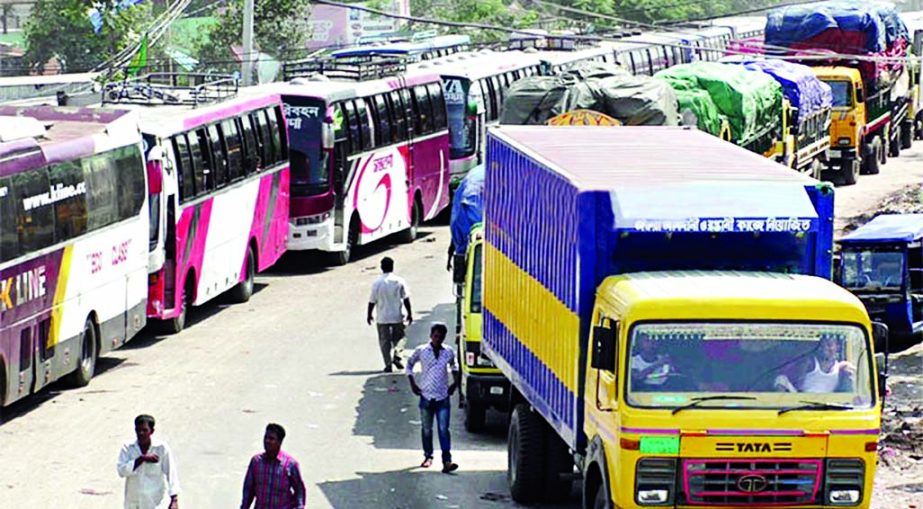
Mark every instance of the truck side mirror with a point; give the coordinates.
(459, 267)
(860, 95)
(880, 337)
(603, 349)
(837, 263)
(881, 361)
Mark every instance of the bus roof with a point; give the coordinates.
(406, 48)
(480, 64)
(331, 90)
(564, 57)
(69, 133)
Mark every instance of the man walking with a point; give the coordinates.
(273, 479)
(149, 469)
(434, 392)
(388, 293)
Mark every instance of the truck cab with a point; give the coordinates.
(482, 384)
(848, 122)
(882, 263)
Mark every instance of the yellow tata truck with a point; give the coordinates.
(660, 302)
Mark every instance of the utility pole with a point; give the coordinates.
(247, 57)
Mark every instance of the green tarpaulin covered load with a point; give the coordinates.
(751, 101)
(604, 88)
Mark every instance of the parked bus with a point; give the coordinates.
(475, 85)
(73, 243)
(555, 60)
(424, 49)
(217, 158)
(16, 88)
(369, 154)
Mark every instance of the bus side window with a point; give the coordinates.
(102, 193)
(351, 127)
(277, 119)
(35, 225)
(279, 150)
(219, 156)
(235, 151)
(440, 122)
(424, 110)
(498, 93)
(9, 237)
(408, 112)
(381, 111)
(70, 213)
(365, 125)
(398, 120)
(184, 169)
(487, 96)
(200, 165)
(265, 142)
(127, 167)
(340, 164)
(250, 145)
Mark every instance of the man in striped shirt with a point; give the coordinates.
(273, 478)
(432, 385)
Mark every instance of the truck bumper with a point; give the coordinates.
(836, 156)
(488, 390)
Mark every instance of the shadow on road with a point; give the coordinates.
(417, 487)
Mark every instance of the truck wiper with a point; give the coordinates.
(816, 405)
(698, 401)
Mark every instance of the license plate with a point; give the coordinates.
(311, 233)
(497, 391)
(835, 153)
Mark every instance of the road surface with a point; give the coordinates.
(300, 354)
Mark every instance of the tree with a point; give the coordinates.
(61, 29)
(279, 27)
(503, 13)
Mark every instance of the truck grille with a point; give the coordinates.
(742, 482)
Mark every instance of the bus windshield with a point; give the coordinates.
(869, 270)
(310, 172)
(842, 93)
(462, 128)
(748, 365)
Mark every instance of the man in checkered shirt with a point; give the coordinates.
(432, 385)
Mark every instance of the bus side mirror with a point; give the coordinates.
(603, 349)
(459, 267)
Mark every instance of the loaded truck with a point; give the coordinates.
(858, 49)
(652, 294)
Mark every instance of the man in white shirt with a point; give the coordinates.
(389, 292)
(149, 469)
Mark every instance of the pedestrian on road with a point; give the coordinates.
(434, 392)
(273, 479)
(149, 469)
(389, 291)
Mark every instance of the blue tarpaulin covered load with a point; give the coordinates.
(799, 85)
(794, 25)
(467, 208)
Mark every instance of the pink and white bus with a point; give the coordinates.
(73, 242)
(217, 159)
(370, 157)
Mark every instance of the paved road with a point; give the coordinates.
(298, 353)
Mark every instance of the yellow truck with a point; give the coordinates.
(652, 294)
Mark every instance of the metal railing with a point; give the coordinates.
(174, 88)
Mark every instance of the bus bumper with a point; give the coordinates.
(304, 236)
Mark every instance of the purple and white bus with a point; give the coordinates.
(73, 242)
(370, 157)
(219, 193)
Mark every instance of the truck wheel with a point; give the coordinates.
(601, 500)
(526, 455)
(475, 417)
(918, 127)
(907, 135)
(817, 169)
(849, 169)
(559, 463)
(894, 147)
(871, 160)
(86, 365)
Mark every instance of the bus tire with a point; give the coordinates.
(352, 238)
(850, 171)
(475, 417)
(558, 463)
(89, 351)
(410, 234)
(244, 290)
(526, 455)
(907, 135)
(177, 324)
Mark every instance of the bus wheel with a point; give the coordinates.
(410, 234)
(177, 324)
(86, 366)
(526, 455)
(352, 238)
(475, 417)
(244, 290)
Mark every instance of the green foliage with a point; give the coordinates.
(504, 13)
(279, 28)
(61, 29)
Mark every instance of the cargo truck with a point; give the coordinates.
(652, 295)
(867, 45)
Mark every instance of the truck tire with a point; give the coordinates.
(475, 417)
(601, 500)
(526, 455)
(894, 147)
(817, 169)
(907, 135)
(559, 463)
(849, 170)
(871, 160)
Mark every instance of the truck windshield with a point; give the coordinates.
(869, 270)
(778, 365)
(842, 93)
(310, 173)
(462, 126)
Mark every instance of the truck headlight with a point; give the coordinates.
(843, 141)
(844, 496)
(653, 496)
(843, 480)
